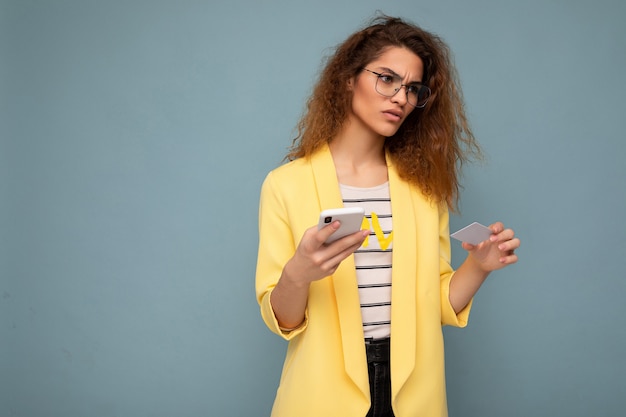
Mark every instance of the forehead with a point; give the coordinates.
(401, 61)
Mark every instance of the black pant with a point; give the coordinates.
(380, 377)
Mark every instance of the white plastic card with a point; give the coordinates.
(473, 233)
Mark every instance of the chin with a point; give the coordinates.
(387, 132)
(390, 129)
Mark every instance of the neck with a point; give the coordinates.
(359, 157)
(358, 145)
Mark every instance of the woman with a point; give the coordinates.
(384, 130)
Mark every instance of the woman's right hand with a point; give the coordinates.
(314, 259)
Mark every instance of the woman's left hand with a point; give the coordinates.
(496, 252)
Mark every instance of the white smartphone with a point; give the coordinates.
(350, 218)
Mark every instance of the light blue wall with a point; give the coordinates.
(135, 136)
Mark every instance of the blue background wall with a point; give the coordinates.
(135, 136)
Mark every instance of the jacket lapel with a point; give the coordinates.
(403, 290)
(344, 280)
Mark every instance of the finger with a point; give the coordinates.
(340, 256)
(351, 239)
(496, 227)
(325, 232)
(509, 260)
(313, 239)
(468, 246)
(344, 247)
(503, 235)
(509, 245)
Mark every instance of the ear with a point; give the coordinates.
(350, 84)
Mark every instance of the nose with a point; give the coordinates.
(400, 97)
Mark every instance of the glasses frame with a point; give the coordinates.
(379, 75)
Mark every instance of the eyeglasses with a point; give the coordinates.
(388, 85)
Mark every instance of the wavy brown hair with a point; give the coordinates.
(432, 144)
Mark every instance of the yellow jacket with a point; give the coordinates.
(325, 370)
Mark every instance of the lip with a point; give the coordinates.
(393, 114)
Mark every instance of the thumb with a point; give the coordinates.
(468, 246)
(325, 232)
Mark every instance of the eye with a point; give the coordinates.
(414, 89)
(386, 78)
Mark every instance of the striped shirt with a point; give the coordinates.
(373, 258)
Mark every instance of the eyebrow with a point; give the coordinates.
(385, 69)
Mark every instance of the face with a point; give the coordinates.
(373, 112)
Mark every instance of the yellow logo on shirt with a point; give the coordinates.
(383, 241)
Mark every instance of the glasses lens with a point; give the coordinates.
(388, 85)
(417, 95)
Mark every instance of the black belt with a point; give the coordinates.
(377, 350)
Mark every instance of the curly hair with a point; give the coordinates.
(432, 144)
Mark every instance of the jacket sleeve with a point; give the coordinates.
(276, 246)
(448, 315)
